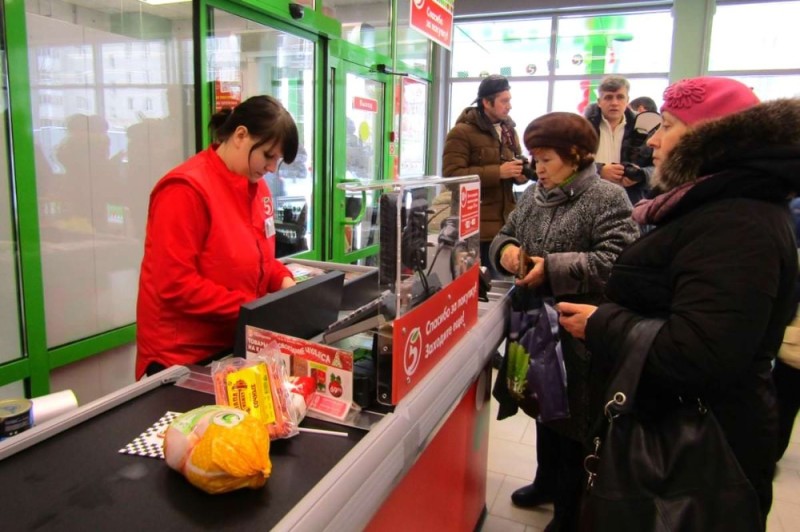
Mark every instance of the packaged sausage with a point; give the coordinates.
(260, 387)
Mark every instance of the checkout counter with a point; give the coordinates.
(430, 452)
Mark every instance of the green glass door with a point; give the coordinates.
(358, 157)
(250, 54)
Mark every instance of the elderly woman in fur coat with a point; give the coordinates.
(720, 266)
(571, 226)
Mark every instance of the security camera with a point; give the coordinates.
(297, 11)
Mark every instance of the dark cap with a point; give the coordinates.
(561, 130)
(491, 85)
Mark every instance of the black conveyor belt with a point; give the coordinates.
(77, 480)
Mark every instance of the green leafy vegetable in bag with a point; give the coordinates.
(516, 375)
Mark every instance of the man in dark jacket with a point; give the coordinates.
(484, 142)
(622, 156)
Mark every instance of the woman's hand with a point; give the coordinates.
(535, 276)
(573, 317)
(510, 258)
(287, 282)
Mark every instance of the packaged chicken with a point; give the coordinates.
(219, 449)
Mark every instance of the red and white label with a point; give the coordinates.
(365, 104)
(434, 19)
(470, 210)
(429, 331)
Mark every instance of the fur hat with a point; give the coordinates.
(561, 130)
(706, 98)
(491, 85)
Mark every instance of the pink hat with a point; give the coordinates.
(700, 99)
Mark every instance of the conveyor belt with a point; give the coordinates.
(77, 480)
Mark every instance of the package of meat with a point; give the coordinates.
(260, 387)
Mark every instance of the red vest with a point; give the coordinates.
(190, 292)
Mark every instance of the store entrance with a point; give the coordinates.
(358, 157)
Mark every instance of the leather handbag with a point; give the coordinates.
(670, 470)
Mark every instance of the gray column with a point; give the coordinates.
(691, 38)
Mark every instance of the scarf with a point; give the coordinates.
(572, 186)
(652, 211)
(507, 137)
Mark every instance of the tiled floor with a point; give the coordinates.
(512, 461)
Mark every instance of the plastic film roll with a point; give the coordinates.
(49, 406)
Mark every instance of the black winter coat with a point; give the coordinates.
(634, 150)
(721, 270)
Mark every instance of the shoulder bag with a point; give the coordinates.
(670, 470)
(532, 375)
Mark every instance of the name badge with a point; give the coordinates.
(269, 227)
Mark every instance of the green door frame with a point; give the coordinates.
(345, 59)
(38, 360)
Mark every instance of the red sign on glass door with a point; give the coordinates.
(365, 104)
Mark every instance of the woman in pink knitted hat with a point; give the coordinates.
(719, 269)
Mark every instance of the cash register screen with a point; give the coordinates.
(302, 311)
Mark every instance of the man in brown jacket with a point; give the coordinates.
(484, 142)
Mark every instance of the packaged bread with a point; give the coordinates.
(219, 449)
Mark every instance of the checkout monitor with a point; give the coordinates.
(302, 311)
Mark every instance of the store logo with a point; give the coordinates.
(412, 353)
(419, 3)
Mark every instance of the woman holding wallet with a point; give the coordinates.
(565, 234)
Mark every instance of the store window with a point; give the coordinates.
(246, 58)
(366, 23)
(555, 63)
(508, 47)
(111, 89)
(574, 95)
(625, 43)
(413, 138)
(757, 43)
(10, 346)
(413, 48)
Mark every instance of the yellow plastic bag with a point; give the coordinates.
(219, 449)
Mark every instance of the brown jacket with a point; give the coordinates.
(473, 147)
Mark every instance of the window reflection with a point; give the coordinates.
(365, 23)
(510, 48)
(413, 48)
(755, 37)
(10, 346)
(112, 112)
(630, 44)
(413, 127)
(364, 111)
(635, 45)
(247, 59)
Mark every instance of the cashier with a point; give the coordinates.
(210, 241)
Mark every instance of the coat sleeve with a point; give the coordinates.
(508, 233)
(456, 158)
(723, 295)
(182, 221)
(278, 272)
(612, 229)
